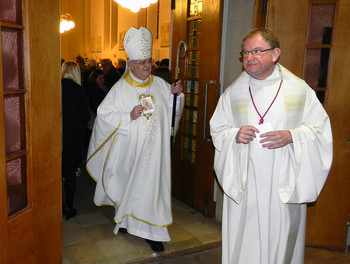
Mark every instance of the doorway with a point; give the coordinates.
(199, 24)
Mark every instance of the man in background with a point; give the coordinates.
(273, 152)
(121, 66)
(111, 73)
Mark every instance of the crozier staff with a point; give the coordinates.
(129, 152)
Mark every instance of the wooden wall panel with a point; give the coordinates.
(289, 21)
(326, 221)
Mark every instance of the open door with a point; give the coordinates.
(197, 22)
(314, 38)
(30, 132)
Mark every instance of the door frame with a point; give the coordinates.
(24, 235)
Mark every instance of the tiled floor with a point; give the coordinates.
(88, 238)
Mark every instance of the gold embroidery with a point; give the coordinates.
(114, 134)
(137, 84)
(148, 223)
(100, 205)
(138, 219)
(104, 166)
(144, 95)
(97, 150)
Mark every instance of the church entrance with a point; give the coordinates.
(198, 23)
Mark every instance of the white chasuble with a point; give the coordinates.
(266, 191)
(130, 159)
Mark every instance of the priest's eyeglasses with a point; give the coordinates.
(143, 62)
(255, 52)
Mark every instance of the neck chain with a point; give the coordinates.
(262, 117)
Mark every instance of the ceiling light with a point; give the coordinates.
(66, 22)
(135, 5)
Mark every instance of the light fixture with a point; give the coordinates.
(135, 5)
(66, 22)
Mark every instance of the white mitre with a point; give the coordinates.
(138, 43)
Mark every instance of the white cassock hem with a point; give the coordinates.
(140, 229)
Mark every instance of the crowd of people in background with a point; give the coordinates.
(95, 81)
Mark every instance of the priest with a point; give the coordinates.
(273, 153)
(129, 151)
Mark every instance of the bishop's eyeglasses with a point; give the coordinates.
(143, 62)
(255, 52)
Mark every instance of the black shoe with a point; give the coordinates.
(123, 230)
(156, 245)
(70, 212)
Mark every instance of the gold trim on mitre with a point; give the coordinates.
(137, 84)
(138, 43)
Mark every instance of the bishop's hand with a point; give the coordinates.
(176, 88)
(136, 112)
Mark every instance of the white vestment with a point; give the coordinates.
(130, 159)
(266, 191)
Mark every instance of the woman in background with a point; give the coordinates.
(75, 115)
(97, 89)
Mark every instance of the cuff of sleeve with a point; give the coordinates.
(125, 124)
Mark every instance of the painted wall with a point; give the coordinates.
(73, 41)
(101, 24)
(239, 23)
(238, 20)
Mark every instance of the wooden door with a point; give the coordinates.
(327, 218)
(30, 133)
(199, 24)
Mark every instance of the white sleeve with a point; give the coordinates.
(309, 158)
(230, 157)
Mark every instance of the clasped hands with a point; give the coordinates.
(273, 139)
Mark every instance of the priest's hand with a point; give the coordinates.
(176, 88)
(276, 139)
(136, 112)
(246, 134)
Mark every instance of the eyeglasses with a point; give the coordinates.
(255, 52)
(143, 62)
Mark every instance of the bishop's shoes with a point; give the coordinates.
(156, 246)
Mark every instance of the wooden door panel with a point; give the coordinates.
(327, 218)
(28, 258)
(21, 226)
(182, 183)
(193, 175)
(33, 234)
(326, 222)
(210, 70)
